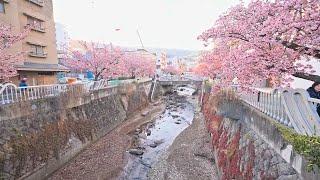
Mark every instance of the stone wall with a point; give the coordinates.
(248, 145)
(131, 94)
(158, 91)
(37, 137)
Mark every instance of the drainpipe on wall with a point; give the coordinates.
(153, 89)
(202, 92)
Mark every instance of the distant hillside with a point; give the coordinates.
(173, 52)
(170, 52)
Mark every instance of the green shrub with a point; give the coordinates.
(308, 146)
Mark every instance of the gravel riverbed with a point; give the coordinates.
(189, 157)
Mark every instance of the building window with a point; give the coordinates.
(37, 50)
(48, 73)
(2, 9)
(36, 24)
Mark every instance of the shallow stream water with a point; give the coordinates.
(154, 138)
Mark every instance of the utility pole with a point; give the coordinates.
(140, 39)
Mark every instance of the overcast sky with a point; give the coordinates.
(161, 23)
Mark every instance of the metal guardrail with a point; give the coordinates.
(10, 93)
(314, 103)
(290, 107)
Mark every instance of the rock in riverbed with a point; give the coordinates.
(156, 103)
(158, 142)
(145, 113)
(153, 145)
(137, 152)
(174, 116)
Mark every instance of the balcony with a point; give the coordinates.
(37, 2)
(39, 29)
(38, 55)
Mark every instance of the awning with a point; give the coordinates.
(28, 66)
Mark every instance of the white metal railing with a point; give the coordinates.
(290, 107)
(96, 85)
(10, 93)
(314, 103)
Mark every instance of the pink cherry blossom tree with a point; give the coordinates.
(103, 60)
(208, 65)
(172, 70)
(265, 40)
(138, 65)
(201, 69)
(9, 58)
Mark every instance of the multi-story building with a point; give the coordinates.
(40, 65)
(63, 40)
(147, 54)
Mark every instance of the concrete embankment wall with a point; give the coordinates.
(39, 136)
(248, 145)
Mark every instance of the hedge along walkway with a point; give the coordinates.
(105, 159)
(189, 157)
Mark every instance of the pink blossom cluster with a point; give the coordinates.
(172, 70)
(264, 40)
(138, 65)
(8, 57)
(208, 64)
(107, 61)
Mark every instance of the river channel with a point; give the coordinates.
(152, 139)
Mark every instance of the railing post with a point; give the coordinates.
(38, 93)
(274, 105)
(31, 92)
(254, 99)
(262, 101)
(265, 102)
(279, 106)
(259, 100)
(7, 94)
(268, 103)
(2, 99)
(25, 94)
(16, 94)
(11, 92)
(21, 96)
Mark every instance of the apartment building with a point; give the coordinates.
(63, 40)
(147, 54)
(40, 65)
